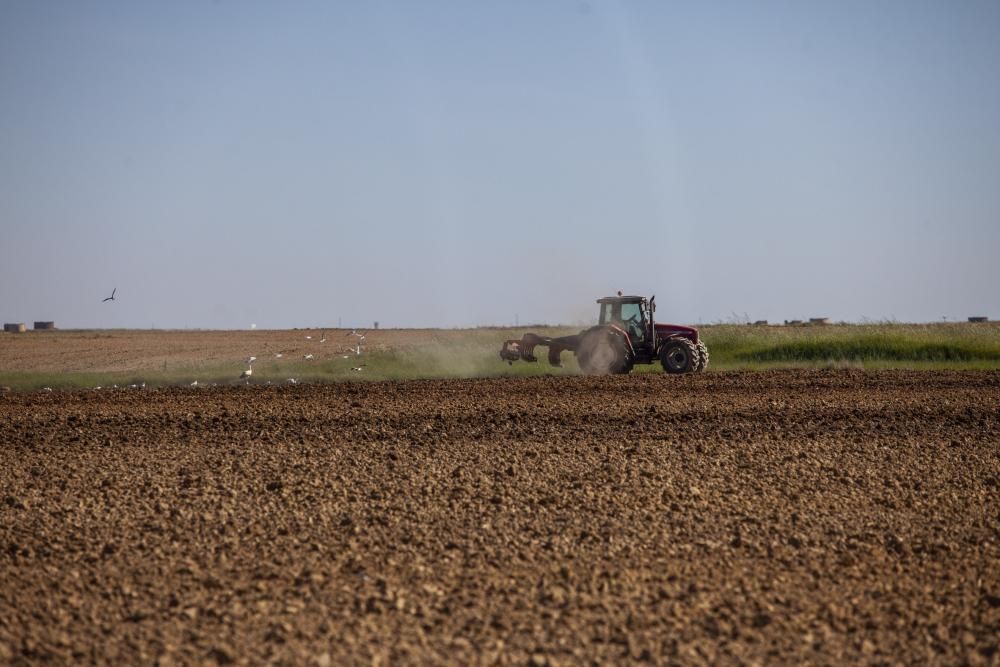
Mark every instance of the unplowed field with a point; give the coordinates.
(774, 517)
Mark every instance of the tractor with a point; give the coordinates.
(625, 335)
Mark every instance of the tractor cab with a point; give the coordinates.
(634, 314)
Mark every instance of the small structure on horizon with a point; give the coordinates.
(44, 326)
(979, 318)
(760, 323)
(819, 320)
(15, 327)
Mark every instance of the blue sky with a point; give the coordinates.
(453, 163)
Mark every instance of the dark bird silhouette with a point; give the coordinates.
(112, 297)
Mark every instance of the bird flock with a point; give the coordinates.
(354, 350)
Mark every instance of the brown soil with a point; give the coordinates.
(779, 517)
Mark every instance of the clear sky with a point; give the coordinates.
(294, 164)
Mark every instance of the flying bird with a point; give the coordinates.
(110, 298)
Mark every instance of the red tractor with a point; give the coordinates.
(624, 336)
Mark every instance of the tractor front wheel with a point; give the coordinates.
(679, 355)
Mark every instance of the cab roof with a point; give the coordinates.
(621, 299)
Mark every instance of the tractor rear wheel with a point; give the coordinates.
(603, 351)
(679, 355)
(702, 357)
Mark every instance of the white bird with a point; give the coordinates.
(323, 339)
(46, 388)
(292, 381)
(358, 368)
(110, 298)
(357, 351)
(279, 355)
(245, 375)
(309, 337)
(308, 356)
(194, 384)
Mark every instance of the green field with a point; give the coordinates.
(732, 347)
(873, 346)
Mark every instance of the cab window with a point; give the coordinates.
(632, 318)
(607, 312)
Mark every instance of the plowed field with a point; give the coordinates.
(773, 517)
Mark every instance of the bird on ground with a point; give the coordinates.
(250, 360)
(358, 368)
(355, 332)
(309, 337)
(323, 338)
(292, 381)
(308, 356)
(245, 375)
(110, 298)
(279, 355)
(194, 384)
(357, 350)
